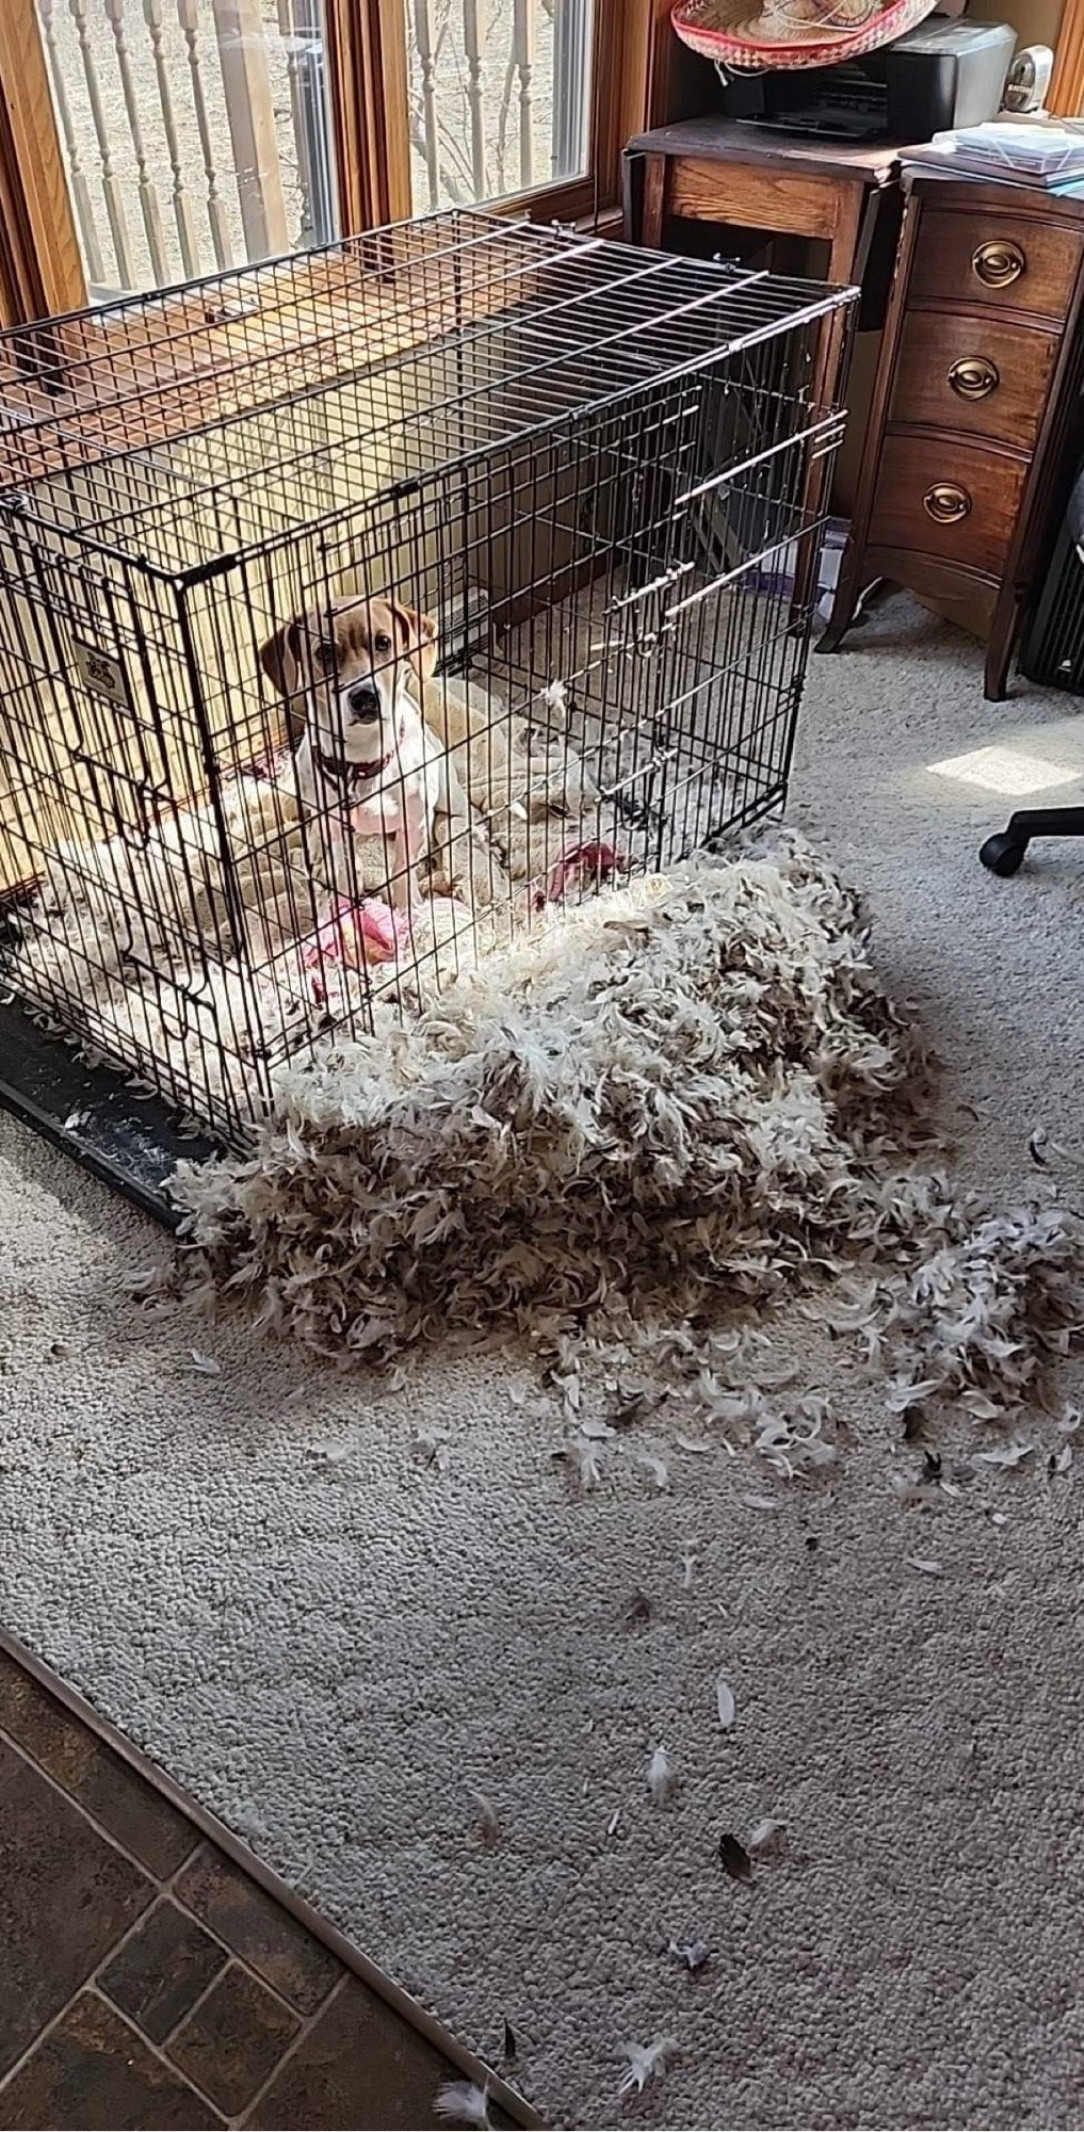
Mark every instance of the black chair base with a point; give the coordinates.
(1004, 853)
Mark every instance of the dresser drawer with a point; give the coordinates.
(1006, 261)
(956, 501)
(975, 376)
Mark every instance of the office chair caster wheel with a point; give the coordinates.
(1002, 854)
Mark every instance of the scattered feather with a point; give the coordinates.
(724, 1703)
(635, 1404)
(595, 1430)
(647, 2061)
(1060, 1461)
(762, 1502)
(980, 1406)
(660, 1776)
(902, 1394)
(692, 1443)
(205, 1364)
(332, 1451)
(462, 2103)
(688, 1566)
(489, 1827)
(584, 1462)
(432, 1445)
(1069, 1421)
(75, 1119)
(656, 1468)
(909, 1490)
(614, 1822)
(735, 1858)
(927, 1565)
(692, 1953)
(765, 1832)
(1005, 1455)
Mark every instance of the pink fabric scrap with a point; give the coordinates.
(355, 933)
(581, 866)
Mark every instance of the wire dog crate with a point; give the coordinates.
(358, 609)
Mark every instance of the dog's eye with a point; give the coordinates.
(381, 642)
(324, 655)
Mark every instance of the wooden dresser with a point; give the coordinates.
(975, 423)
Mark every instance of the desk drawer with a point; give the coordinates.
(974, 375)
(1005, 261)
(956, 501)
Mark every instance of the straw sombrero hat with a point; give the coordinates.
(783, 34)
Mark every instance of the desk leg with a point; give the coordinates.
(852, 598)
(1000, 645)
(850, 245)
(630, 185)
(652, 214)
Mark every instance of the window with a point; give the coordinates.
(479, 102)
(195, 135)
(145, 142)
(499, 97)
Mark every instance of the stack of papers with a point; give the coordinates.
(1048, 157)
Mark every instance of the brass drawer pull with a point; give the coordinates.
(998, 263)
(974, 377)
(946, 503)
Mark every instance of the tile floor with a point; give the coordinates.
(148, 1981)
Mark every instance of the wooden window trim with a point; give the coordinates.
(41, 269)
(367, 76)
(1066, 97)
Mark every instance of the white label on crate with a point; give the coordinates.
(101, 672)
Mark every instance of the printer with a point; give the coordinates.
(942, 74)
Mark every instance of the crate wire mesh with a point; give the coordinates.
(540, 497)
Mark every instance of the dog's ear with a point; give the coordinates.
(280, 658)
(419, 635)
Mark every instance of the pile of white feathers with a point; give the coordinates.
(666, 1112)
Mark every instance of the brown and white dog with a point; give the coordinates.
(366, 761)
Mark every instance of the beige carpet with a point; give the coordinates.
(330, 1641)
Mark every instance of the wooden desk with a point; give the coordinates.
(749, 177)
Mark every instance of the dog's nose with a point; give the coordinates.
(363, 703)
